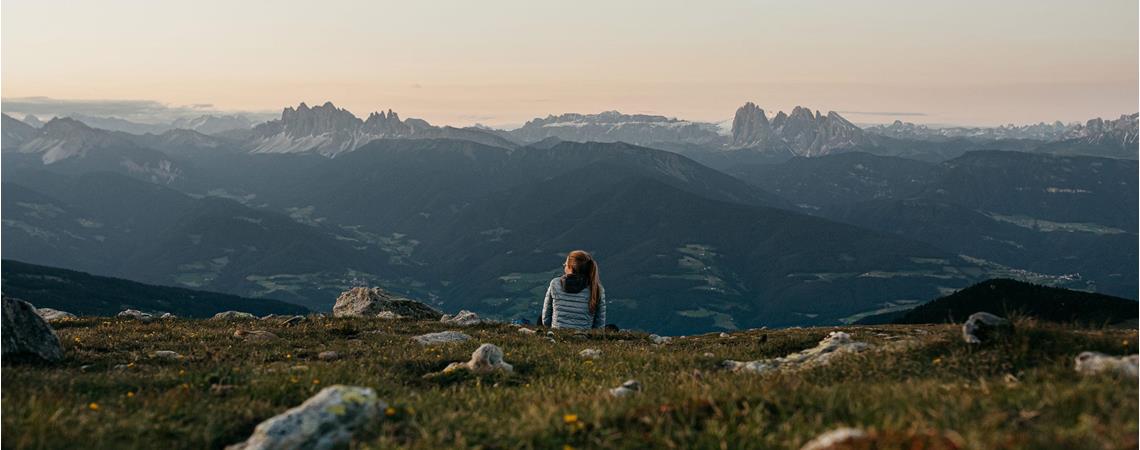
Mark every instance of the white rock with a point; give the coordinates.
(234, 315)
(486, 359)
(590, 353)
(136, 314)
(463, 317)
(626, 389)
(659, 339)
(724, 335)
(526, 331)
(837, 439)
(441, 337)
(708, 355)
(388, 315)
(54, 315)
(167, 316)
(325, 421)
(836, 343)
(1091, 363)
(982, 326)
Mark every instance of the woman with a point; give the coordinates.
(575, 299)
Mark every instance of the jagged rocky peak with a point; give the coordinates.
(749, 125)
(306, 121)
(804, 132)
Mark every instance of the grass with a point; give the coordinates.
(1020, 392)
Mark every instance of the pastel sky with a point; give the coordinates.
(504, 62)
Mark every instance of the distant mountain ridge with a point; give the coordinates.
(86, 294)
(613, 126)
(1011, 297)
(328, 130)
(801, 133)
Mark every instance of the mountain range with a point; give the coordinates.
(787, 221)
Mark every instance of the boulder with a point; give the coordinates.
(590, 353)
(626, 389)
(254, 335)
(463, 318)
(486, 359)
(136, 315)
(54, 315)
(659, 339)
(325, 421)
(25, 333)
(370, 302)
(234, 315)
(836, 343)
(1092, 363)
(166, 316)
(441, 337)
(526, 331)
(328, 356)
(983, 326)
(724, 335)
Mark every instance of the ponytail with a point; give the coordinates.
(595, 287)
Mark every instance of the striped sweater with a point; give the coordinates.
(562, 309)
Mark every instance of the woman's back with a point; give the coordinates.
(567, 305)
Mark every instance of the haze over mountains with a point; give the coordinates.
(786, 218)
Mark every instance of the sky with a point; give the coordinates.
(504, 62)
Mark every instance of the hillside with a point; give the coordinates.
(1010, 297)
(917, 384)
(85, 294)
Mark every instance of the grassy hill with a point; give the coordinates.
(1017, 393)
(85, 294)
(1010, 297)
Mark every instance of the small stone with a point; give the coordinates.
(292, 321)
(328, 356)
(1092, 363)
(255, 335)
(486, 359)
(25, 333)
(234, 315)
(659, 339)
(708, 355)
(842, 438)
(982, 326)
(325, 421)
(388, 315)
(590, 353)
(441, 337)
(55, 315)
(136, 315)
(626, 389)
(526, 331)
(167, 316)
(463, 318)
(724, 335)
(836, 343)
(167, 354)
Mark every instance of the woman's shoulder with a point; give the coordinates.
(556, 282)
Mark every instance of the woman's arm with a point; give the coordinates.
(548, 307)
(600, 317)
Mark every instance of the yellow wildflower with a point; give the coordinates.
(93, 406)
(570, 418)
(390, 411)
(130, 394)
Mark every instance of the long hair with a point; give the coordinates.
(581, 263)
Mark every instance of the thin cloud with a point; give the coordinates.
(141, 111)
